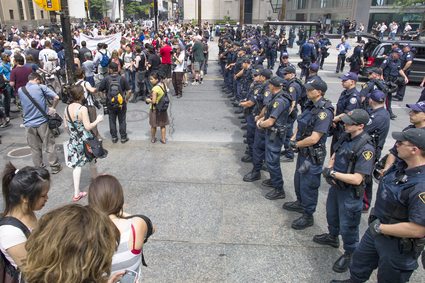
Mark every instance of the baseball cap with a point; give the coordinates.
(414, 135)
(266, 73)
(277, 81)
(408, 45)
(256, 71)
(349, 76)
(314, 67)
(418, 107)
(356, 117)
(289, 70)
(316, 84)
(377, 95)
(284, 55)
(375, 71)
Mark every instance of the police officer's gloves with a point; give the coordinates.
(326, 172)
(293, 145)
(374, 227)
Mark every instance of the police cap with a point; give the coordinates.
(289, 70)
(349, 76)
(377, 95)
(277, 81)
(356, 117)
(317, 84)
(418, 107)
(256, 71)
(284, 55)
(415, 136)
(314, 67)
(266, 73)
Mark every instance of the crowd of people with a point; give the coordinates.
(358, 124)
(285, 117)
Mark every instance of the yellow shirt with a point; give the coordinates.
(159, 93)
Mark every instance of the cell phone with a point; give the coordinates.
(129, 277)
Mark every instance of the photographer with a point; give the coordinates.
(90, 102)
(178, 72)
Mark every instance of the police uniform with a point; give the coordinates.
(371, 85)
(405, 58)
(317, 117)
(344, 202)
(400, 198)
(278, 108)
(378, 128)
(307, 54)
(348, 101)
(271, 52)
(391, 69)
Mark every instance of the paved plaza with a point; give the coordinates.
(211, 226)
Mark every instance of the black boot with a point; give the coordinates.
(275, 194)
(293, 206)
(267, 183)
(327, 239)
(303, 222)
(252, 176)
(342, 263)
(247, 159)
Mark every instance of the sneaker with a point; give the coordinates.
(195, 83)
(114, 140)
(124, 140)
(56, 169)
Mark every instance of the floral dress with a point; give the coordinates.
(75, 147)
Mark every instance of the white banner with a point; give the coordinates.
(113, 41)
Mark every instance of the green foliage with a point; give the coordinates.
(97, 8)
(136, 9)
(408, 3)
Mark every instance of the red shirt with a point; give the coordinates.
(165, 53)
(19, 75)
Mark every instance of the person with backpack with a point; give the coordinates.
(24, 192)
(101, 60)
(159, 101)
(350, 164)
(118, 93)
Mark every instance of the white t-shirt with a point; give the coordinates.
(180, 67)
(49, 57)
(10, 236)
(383, 28)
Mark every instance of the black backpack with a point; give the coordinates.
(164, 102)
(115, 93)
(8, 273)
(2, 82)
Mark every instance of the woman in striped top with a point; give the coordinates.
(106, 194)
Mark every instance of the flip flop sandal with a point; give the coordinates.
(153, 140)
(79, 196)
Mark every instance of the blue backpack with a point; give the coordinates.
(104, 62)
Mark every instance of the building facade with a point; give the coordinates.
(255, 11)
(23, 14)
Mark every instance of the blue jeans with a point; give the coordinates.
(272, 157)
(343, 212)
(130, 76)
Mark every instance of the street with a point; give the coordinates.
(211, 226)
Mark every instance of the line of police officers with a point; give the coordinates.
(269, 105)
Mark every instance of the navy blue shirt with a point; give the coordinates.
(348, 101)
(278, 108)
(391, 67)
(365, 160)
(398, 201)
(406, 57)
(319, 115)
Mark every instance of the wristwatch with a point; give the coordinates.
(333, 172)
(377, 228)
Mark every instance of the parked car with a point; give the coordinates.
(376, 50)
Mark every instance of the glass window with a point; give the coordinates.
(31, 8)
(21, 10)
(12, 17)
(383, 2)
(42, 14)
(301, 4)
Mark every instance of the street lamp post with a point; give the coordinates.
(67, 40)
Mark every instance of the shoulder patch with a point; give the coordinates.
(367, 155)
(353, 100)
(266, 94)
(275, 104)
(422, 197)
(364, 85)
(291, 89)
(322, 115)
(256, 91)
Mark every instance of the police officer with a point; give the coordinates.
(395, 237)
(284, 62)
(310, 142)
(307, 54)
(249, 105)
(417, 120)
(378, 128)
(352, 161)
(258, 148)
(357, 58)
(375, 82)
(313, 73)
(406, 62)
(393, 72)
(324, 44)
(271, 52)
(348, 101)
(295, 88)
(274, 122)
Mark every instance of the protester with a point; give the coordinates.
(178, 72)
(157, 118)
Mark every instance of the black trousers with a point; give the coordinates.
(121, 115)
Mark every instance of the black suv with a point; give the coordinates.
(375, 49)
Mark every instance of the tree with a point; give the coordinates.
(408, 3)
(136, 9)
(98, 8)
